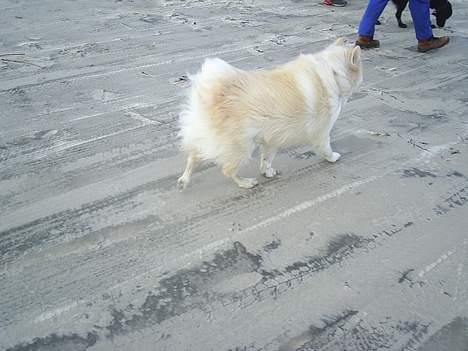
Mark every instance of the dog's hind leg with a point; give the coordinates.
(398, 17)
(400, 7)
(230, 170)
(184, 180)
(267, 154)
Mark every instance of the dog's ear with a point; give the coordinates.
(355, 57)
(443, 13)
(339, 42)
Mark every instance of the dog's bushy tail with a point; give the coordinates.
(194, 127)
(212, 69)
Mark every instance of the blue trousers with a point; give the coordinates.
(419, 12)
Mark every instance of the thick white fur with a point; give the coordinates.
(231, 111)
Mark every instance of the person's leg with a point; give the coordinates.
(371, 15)
(422, 26)
(421, 18)
(367, 26)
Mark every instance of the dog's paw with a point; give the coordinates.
(270, 172)
(182, 183)
(334, 157)
(247, 183)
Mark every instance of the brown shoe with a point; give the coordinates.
(367, 42)
(432, 43)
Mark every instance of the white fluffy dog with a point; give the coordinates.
(231, 111)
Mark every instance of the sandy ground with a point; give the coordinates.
(98, 251)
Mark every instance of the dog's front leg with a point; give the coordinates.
(324, 149)
(267, 154)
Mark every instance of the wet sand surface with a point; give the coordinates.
(99, 251)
